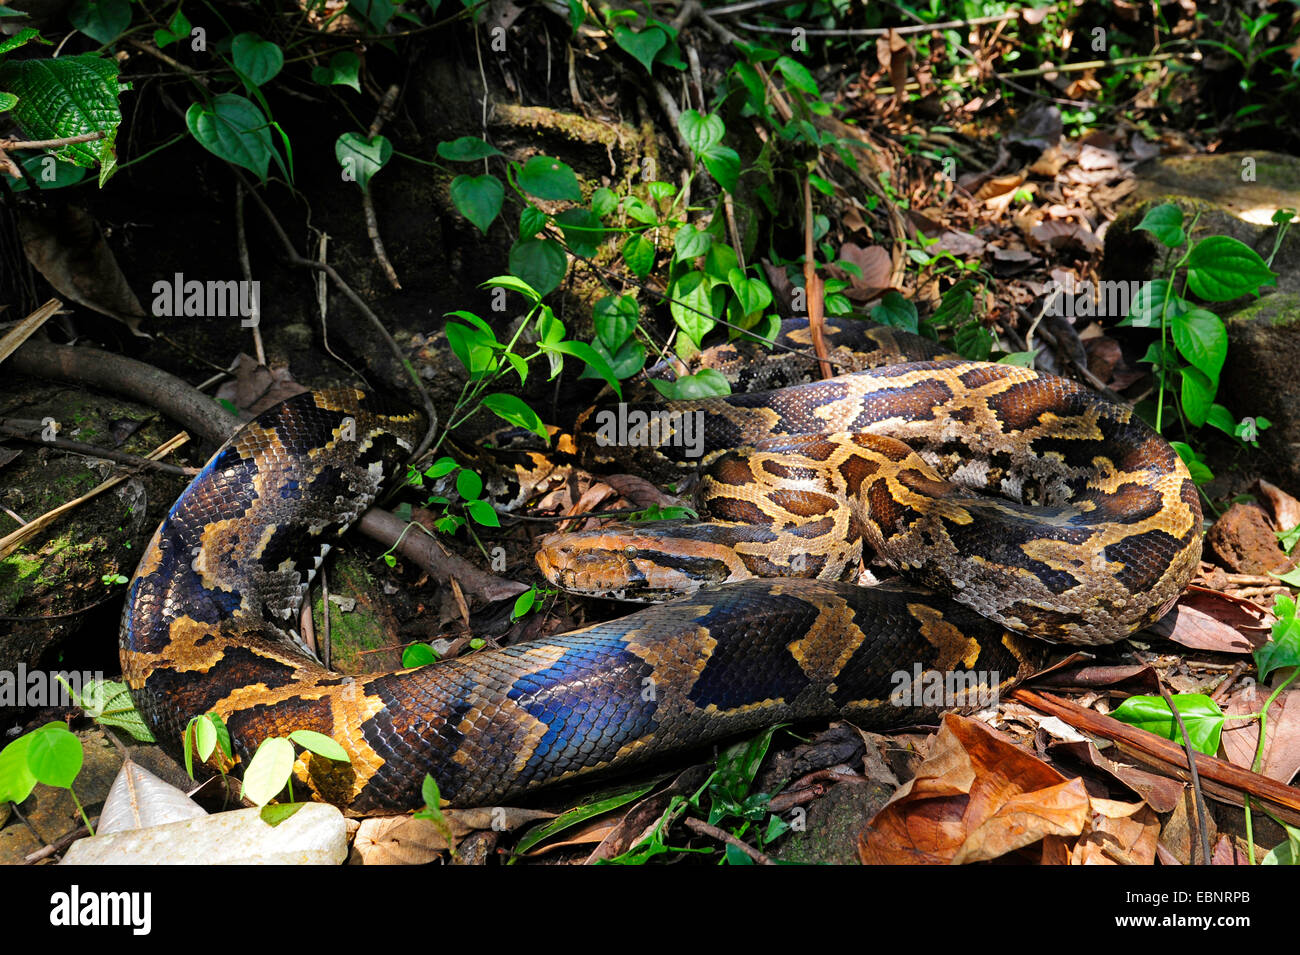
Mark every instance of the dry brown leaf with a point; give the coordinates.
(405, 840)
(1060, 810)
(1207, 619)
(1285, 508)
(875, 264)
(68, 248)
(1119, 833)
(256, 388)
(971, 775)
(1001, 186)
(1281, 737)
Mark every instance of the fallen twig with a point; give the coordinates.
(1221, 780)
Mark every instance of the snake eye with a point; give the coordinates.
(630, 550)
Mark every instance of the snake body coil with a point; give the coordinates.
(208, 624)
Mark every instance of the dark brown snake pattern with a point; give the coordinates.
(208, 621)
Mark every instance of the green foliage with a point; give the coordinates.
(1201, 715)
(233, 128)
(51, 755)
(65, 98)
(271, 768)
(361, 158)
(1217, 269)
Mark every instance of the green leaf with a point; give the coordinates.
(548, 178)
(524, 603)
(1197, 395)
(69, 96)
(1200, 473)
(1285, 853)
(690, 242)
(1221, 418)
(638, 210)
(344, 69)
(531, 220)
(603, 201)
(701, 131)
(234, 129)
(580, 814)
(377, 13)
(624, 363)
(705, 383)
(22, 37)
(643, 46)
(752, 293)
(259, 60)
(582, 229)
(1202, 339)
(54, 755)
(691, 306)
(719, 261)
(109, 703)
(593, 358)
(482, 513)
(205, 738)
(1220, 268)
(515, 410)
(473, 347)
(1144, 310)
(468, 485)
(417, 655)
(797, 75)
(1165, 222)
(639, 254)
(429, 793)
(16, 780)
(896, 311)
(514, 284)
(467, 149)
(478, 199)
(615, 318)
(1283, 649)
(723, 164)
(101, 20)
(1021, 359)
(321, 745)
(443, 466)
(539, 262)
(7, 102)
(268, 770)
(361, 158)
(1201, 715)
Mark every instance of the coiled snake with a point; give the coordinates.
(1101, 534)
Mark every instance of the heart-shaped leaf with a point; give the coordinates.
(643, 46)
(478, 199)
(234, 129)
(700, 131)
(361, 158)
(259, 60)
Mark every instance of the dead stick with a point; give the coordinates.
(1223, 780)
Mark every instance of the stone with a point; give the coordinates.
(316, 834)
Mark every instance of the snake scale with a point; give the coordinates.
(1096, 533)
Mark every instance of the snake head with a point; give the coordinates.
(636, 564)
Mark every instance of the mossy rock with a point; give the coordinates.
(1211, 190)
(55, 581)
(830, 831)
(363, 625)
(1261, 377)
